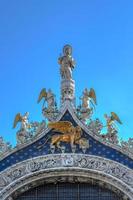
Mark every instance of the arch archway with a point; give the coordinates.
(72, 190)
(67, 168)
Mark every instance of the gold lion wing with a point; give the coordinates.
(18, 118)
(114, 116)
(92, 95)
(43, 94)
(61, 126)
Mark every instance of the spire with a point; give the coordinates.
(67, 64)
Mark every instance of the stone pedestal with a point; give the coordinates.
(68, 90)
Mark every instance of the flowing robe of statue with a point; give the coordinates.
(86, 100)
(25, 122)
(50, 99)
(67, 63)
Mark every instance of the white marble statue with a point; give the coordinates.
(23, 134)
(111, 121)
(49, 111)
(112, 128)
(88, 102)
(24, 121)
(50, 99)
(87, 98)
(67, 63)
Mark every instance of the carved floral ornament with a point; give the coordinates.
(66, 164)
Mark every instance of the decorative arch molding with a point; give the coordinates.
(66, 176)
(72, 167)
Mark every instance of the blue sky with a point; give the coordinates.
(32, 34)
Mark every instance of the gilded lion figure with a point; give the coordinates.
(69, 133)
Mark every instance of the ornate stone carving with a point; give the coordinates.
(111, 136)
(34, 130)
(95, 126)
(68, 91)
(51, 113)
(128, 146)
(4, 146)
(120, 174)
(38, 127)
(23, 136)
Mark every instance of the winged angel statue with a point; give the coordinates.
(51, 110)
(110, 121)
(48, 97)
(23, 119)
(23, 134)
(68, 134)
(112, 128)
(85, 110)
(88, 99)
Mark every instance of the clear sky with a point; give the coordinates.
(32, 34)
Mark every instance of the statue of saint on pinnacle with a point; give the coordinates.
(67, 63)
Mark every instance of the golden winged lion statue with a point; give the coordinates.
(69, 134)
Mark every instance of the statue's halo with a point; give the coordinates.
(67, 46)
